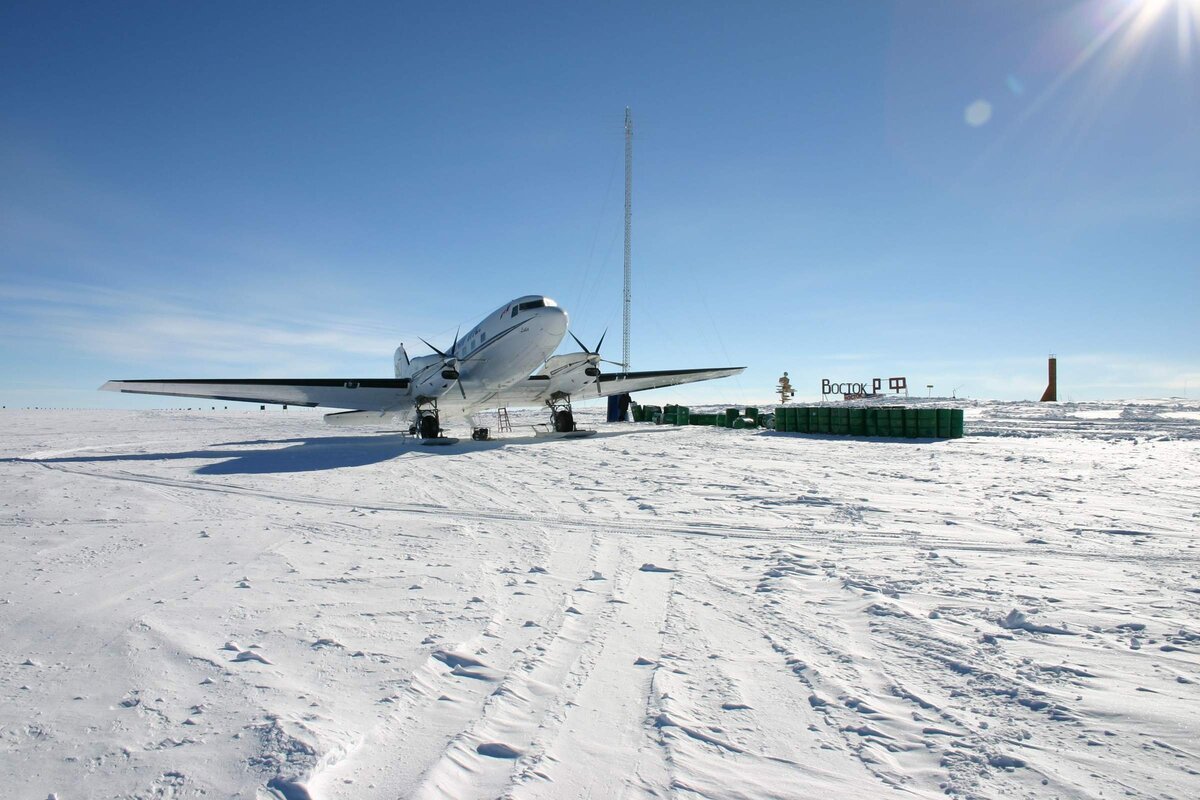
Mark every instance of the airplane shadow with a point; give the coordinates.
(308, 454)
(301, 455)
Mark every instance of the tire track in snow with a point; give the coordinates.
(600, 747)
(729, 715)
(500, 744)
(905, 539)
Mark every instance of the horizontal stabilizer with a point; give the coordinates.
(353, 418)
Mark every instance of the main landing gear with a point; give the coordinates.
(562, 420)
(428, 425)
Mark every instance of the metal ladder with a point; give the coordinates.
(502, 422)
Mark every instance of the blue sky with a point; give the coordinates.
(943, 190)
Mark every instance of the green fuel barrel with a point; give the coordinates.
(814, 423)
(741, 422)
(910, 423)
(927, 423)
(945, 421)
(858, 421)
(823, 418)
(895, 424)
(681, 415)
(783, 419)
(956, 423)
(870, 421)
(751, 412)
(839, 421)
(730, 415)
(802, 425)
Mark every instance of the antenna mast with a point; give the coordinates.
(628, 204)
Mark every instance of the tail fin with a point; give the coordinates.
(401, 361)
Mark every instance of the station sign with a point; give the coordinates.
(854, 390)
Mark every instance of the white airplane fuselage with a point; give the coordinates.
(500, 351)
(490, 367)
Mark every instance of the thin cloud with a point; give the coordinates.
(127, 327)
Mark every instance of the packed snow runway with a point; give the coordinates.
(251, 604)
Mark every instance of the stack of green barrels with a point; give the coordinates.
(642, 413)
(894, 421)
(736, 418)
(674, 415)
(682, 415)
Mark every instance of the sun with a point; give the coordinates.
(1111, 35)
(1134, 23)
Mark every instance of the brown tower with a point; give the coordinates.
(1051, 393)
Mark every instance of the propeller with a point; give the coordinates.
(450, 363)
(593, 357)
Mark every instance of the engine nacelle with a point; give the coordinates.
(420, 365)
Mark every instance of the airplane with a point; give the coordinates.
(492, 366)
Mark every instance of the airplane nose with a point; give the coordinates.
(555, 321)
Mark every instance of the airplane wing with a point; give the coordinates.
(621, 382)
(388, 394)
(535, 390)
(366, 394)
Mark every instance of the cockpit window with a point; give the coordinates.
(533, 304)
(514, 311)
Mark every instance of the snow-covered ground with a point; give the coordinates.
(241, 604)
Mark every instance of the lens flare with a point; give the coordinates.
(1117, 32)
